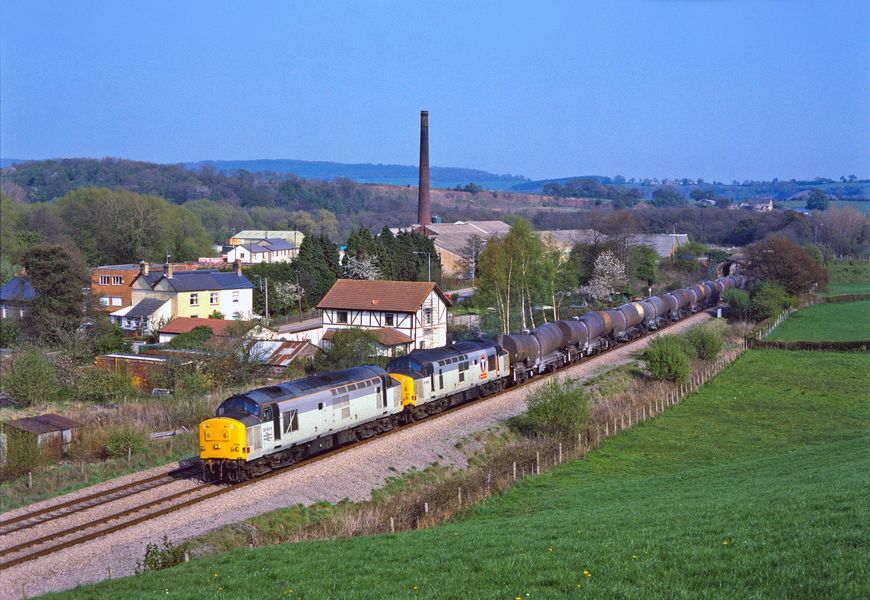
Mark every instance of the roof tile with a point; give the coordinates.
(399, 296)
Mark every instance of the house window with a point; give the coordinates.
(117, 280)
(427, 316)
(104, 280)
(341, 316)
(104, 301)
(194, 299)
(116, 301)
(235, 296)
(213, 297)
(388, 319)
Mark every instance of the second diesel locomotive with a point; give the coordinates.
(278, 425)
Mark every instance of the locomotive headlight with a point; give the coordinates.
(216, 446)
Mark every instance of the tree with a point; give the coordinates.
(516, 274)
(846, 231)
(58, 276)
(318, 268)
(781, 261)
(116, 226)
(768, 300)
(470, 255)
(642, 262)
(818, 200)
(609, 277)
(361, 267)
(738, 304)
(667, 196)
(698, 194)
(284, 296)
(348, 348)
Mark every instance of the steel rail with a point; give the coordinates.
(83, 503)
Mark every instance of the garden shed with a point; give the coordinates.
(50, 431)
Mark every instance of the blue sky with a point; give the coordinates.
(713, 89)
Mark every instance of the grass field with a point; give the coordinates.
(754, 487)
(862, 206)
(846, 322)
(849, 277)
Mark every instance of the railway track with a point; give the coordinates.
(77, 505)
(48, 544)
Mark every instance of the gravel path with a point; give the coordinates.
(352, 474)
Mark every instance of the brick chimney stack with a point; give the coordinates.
(144, 267)
(167, 268)
(237, 267)
(423, 216)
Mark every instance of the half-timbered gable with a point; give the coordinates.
(404, 315)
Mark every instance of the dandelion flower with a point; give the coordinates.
(587, 573)
(724, 542)
(634, 557)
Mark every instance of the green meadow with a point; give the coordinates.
(844, 322)
(755, 486)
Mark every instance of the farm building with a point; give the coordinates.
(50, 431)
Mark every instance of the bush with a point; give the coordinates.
(195, 339)
(558, 408)
(668, 358)
(100, 385)
(768, 301)
(125, 439)
(32, 378)
(739, 306)
(22, 455)
(157, 557)
(9, 333)
(706, 342)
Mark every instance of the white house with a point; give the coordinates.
(264, 251)
(404, 315)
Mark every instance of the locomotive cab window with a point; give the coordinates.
(238, 404)
(491, 362)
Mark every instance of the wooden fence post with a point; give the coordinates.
(393, 523)
(538, 462)
(460, 496)
(560, 453)
(515, 470)
(426, 507)
(29, 480)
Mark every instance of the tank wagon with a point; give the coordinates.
(278, 425)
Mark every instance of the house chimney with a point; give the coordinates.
(167, 268)
(237, 265)
(144, 267)
(423, 217)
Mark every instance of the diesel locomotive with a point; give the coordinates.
(278, 425)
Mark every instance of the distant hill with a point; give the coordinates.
(441, 177)
(5, 162)
(536, 187)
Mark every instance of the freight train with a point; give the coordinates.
(278, 425)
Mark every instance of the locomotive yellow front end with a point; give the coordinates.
(222, 447)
